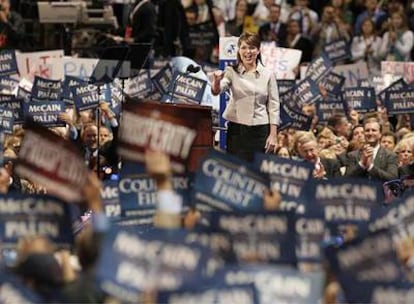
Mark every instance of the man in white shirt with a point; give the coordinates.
(373, 161)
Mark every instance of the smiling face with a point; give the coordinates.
(249, 50)
(372, 131)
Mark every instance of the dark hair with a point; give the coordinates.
(390, 134)
(251, 39)
(335, 120)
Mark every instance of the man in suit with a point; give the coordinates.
(274, 30)
(373, 161)
(307, 148)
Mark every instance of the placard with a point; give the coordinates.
(23, 215)
(148, 125)
(51, 161)
(225, 182)
(45, 113)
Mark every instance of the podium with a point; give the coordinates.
(204, 140)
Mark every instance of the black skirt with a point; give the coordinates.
(244, 141)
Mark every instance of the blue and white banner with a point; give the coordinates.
(225, 182)
(293, 119)
(333, 83)
(305, 92)
(214, 293)
(46, 89)
(86, 97)
(288, 177)
(227, 56)
(138, 191)
(67, 85)
(371, 259)
(220, 245)
(130, 263)
(185, 88)
(8, 63)
(110, 199)
(277, 284)
(329, 107)
(140, 86)
(345, 202)
(338, 50)
(45, 113)
(162, 79)
(14, 290)
(23, 215)
(266, 237)
(400, 101)
(378, 292)
(398, 218)
(16, 106)
(319, 68)
(284, 85)
(360, 99)
(8, 85)
(6, 120)
(398, 85)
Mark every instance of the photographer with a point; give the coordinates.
(11, 27)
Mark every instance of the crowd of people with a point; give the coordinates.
(373, 146)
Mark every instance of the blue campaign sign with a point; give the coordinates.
(360, 99)
(210, 293)
(138, 191)
(338, 50)
(67, 85)
(45, 113)
(305, 92)
(398, 85)
(220, 245)
(345, 203)
(186, 88)
(8, 63)
(6, 120)
(130, 262)
(23, 214)
(227, 56)
(287, 176)
(371, 259)
(284, 85)
(400, 101)
(266, 237)
(290, 118)
(110, 199)
(378, 292)
(46, 89)
(13, 290)
(225, 182)
(333, 83)
(310, 231)
(319, 68)
(86, 96)
(162, 79)
(277, 284)
(141, 85)
(327, 108)
(16, 106)
(398, 218)
(8, 84)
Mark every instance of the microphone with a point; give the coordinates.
(192, 69)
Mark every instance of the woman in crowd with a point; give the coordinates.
(253, 110)
(366, 47)
(398, 41)
(234, 27)
(404, 151)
